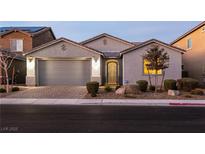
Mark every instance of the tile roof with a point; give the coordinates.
(137, 43)
(16, 55)
(104, 35)
(149, 42)
(28, 30)
(111, 54)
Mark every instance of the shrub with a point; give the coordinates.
(2, 90)
(187, 84)
(92, 88)
(179, 84)
(197, 92)
(15, 89)
(108, 88)
(170, 84)
(93, 94)
(152, 88)
(142, 85)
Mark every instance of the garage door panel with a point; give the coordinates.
(64, 72)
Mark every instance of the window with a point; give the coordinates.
(105, 42)
(16, 45)
(152, 72)
(189, 43)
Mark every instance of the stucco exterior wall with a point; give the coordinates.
(194, 58)
(62, 50)
(110, 45)
(133, 65)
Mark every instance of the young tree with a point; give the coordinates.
(6, 60)
(158, 60)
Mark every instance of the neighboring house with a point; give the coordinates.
(104, 58)
(21, 40)
(193, 42)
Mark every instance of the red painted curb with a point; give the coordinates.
(187, 104)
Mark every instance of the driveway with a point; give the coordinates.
(50, 92)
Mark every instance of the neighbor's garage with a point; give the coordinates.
(64, 72)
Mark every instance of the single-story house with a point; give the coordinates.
(103, 58)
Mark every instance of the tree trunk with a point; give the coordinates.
(150, 82)
(155, 80)
(163, 74)
(13, 73)
(7, 80)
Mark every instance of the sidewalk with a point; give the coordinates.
(131, 102)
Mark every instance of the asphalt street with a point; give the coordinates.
(98, 118)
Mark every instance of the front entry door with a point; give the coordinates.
(112, 72)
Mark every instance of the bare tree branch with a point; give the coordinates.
(6, 60)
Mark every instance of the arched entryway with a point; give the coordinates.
(112, 72)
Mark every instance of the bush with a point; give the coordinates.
(2, 90)
(197, 92)
(15, 89)
(142, 85)
(152, 88)
(170, 84)
(187, 84)
(92, 88)
(108, 88)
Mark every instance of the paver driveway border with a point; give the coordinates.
(134, 102)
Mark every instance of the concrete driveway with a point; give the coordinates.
(50, 92)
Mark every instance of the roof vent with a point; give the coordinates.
(105, 42)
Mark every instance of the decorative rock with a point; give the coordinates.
(173, 92)
(120, 91)
(132, 89)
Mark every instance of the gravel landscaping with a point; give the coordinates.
(61, 92)
(145, 95)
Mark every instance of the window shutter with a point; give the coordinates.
(19, 45)
(13, 45)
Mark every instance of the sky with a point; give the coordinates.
(133, 31)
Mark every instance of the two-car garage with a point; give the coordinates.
(62, 62)
(64, 72)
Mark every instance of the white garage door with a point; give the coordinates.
(64, 72)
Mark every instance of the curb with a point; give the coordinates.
(187, 104)
(103, 102)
